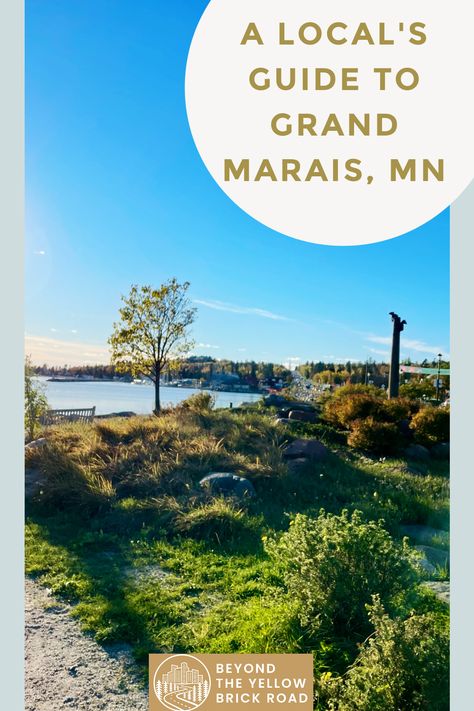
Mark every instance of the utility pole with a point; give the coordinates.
(394, 378)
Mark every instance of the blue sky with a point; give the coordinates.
(117, 194)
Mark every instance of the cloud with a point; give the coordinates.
(409, 344)
(380, 352)
(234, 309)
(206, 345)
(39, 252)
(54, 351)
(385, 340)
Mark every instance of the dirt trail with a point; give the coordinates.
(66, 669)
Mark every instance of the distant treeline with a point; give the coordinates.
(194, 367)
(251, 372)
(356, 372)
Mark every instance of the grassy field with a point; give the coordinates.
(121, 529)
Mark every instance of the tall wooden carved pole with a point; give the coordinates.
(394, 378)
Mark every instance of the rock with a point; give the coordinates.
(428, 567)
(226, 484)
(440, 588)
(437, 557)
(305, 449)
(302, 416)
(275, 401)
(36, 443)
(295, 465)
(417, 451)
(440, 451)
(280, 401)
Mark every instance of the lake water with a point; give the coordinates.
(120, 397)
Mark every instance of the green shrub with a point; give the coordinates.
(373, 436)
(403, 666)
(399, 408)
(349, 390)
(36, 403)
(201, 402)
(418, 389)
(334, 564)
(431, 425)
(344, 410)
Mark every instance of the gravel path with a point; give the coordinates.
(66, 669)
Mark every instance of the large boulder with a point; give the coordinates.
(440, 451)
(436, 556)
(226, 484)
(287, 405)
(417, 451)
(305, 449)
(440, 588)
(302, 416)
(36, 443)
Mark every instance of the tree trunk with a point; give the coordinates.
(157, 395)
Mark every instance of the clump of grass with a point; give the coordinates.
(70, 485)
(220, 521)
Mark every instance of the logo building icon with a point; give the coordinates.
(181, 683)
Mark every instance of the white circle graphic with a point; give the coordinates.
(299, 160)
(181, 682)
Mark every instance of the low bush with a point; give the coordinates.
(418, 390)
(354, 405)
(373, 436)
(399, 408)
(35, 402)
(404, 665)
(431, 426)
(334, 564)
(200, 403)
(343, 411)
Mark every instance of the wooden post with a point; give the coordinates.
(394, 378)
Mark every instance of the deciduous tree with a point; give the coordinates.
(153, 330)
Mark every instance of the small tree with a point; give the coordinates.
(36, 403)
(153, 329)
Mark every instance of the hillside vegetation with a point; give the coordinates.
(316, 561)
